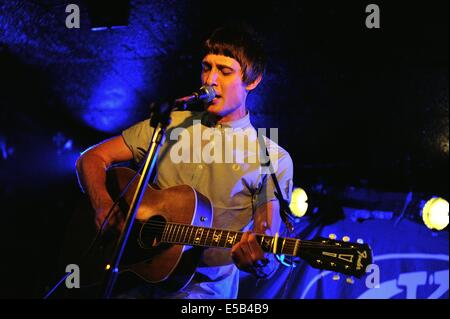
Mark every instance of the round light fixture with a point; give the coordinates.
(298, 204)
(435, 213)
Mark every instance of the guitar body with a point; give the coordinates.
(169, 234)
(169, 266)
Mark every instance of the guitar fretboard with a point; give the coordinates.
(213, 237)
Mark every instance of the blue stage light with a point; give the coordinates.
(114, 99)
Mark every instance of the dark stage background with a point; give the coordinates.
(363, 112)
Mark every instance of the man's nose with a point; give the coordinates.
(211, 78)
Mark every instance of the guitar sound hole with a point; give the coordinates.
(151, 232)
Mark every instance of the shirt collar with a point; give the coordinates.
(210, 120)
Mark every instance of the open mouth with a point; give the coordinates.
(216, 99)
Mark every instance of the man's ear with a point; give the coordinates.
(254, 84)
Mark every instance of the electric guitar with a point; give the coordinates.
(173, 226)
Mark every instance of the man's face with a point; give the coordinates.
(224, 74)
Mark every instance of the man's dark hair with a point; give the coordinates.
(241, 43)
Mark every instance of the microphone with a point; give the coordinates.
(205, 94)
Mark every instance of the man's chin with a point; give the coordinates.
(214, 109)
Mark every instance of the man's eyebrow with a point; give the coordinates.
(220, 66)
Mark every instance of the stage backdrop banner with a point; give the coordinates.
(409, 262)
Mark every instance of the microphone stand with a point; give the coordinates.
(160, 119)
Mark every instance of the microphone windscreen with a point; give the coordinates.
(206, 93)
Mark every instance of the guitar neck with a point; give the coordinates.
(213, 237)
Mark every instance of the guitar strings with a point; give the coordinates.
(155, 225)
(291, 242)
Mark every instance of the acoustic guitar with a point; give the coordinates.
(173, 226)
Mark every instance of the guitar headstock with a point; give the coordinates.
(337, 255)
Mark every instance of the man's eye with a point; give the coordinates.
(227, 71)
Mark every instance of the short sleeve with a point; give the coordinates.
(137, 138)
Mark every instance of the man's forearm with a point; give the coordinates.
(91, 172)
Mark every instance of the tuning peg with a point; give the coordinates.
(346, 238)
(360, 241)
(336, 277)
(332, 236)
(350, 280)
